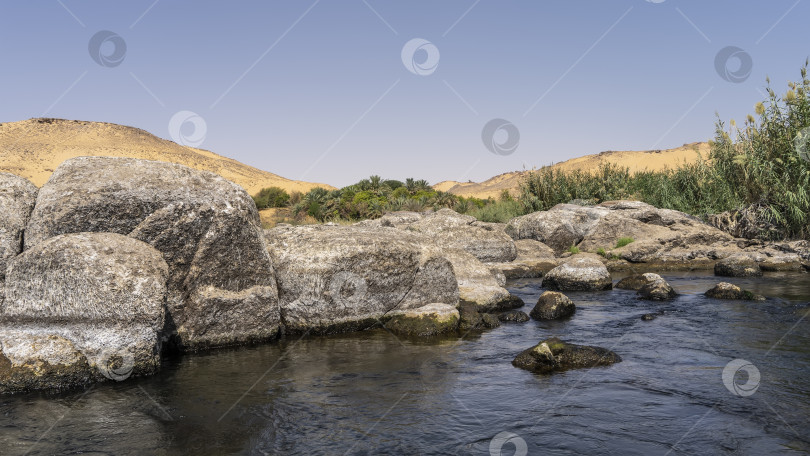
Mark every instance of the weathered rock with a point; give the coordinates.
(534, 259)
(221, 285)
(449, 229)
(579, 273)
(399, 219)
(657, 290)
(429, 320)
(725, 290)
(513, 316)
(477, 284)
(339, 278)
(738, 265)
(553, 305)
(473, 320)
(554, 355)
(560, 227)
(17, 197)
(82, 307)
(649, 286)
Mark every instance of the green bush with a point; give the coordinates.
(623, 241)
(271, 197)
(573, 249)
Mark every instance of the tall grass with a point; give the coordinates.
(757, 164)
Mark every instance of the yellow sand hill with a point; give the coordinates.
(648, 160)
(34, 148)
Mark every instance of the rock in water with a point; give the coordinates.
(554, 355)
(649, 286)
(222, 289)
(425, 321)
(513, 316)
(79, 308)
(635, 282)
(553, 305)
(473, 320)
(17, 198)
(342, 278)
(725, 290)
(579, 273)
(738, 265)
(533, 260)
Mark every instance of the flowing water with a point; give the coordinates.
(373, 393)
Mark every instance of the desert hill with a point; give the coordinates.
(648, 160)
(34, 148)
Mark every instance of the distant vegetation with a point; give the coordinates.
(754, 165)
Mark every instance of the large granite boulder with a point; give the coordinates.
(425, 321)
(659, 235)
(342, 278)
(221, 285)
(582, 272)
(477, 284)
(554, 355)
(451, 230)
(649, 286)
(17, 198)
(79, 308)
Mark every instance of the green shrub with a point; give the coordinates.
(601, 252)
(623, 241)
(271, 197)
(573, 249)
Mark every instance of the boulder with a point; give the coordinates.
(449, 229)
(17, 198)
(554, 355)
(513, 316)
(649, 286)
(534, 259)
(656, 290)
(343, 278)
(429, 320)
(79, 308)
(221, 285)
(473, 320)
(553, 305)
(477, 285)
(660, 235)
(725, 290)
(739, 265)
(560, 227)
(579, 273)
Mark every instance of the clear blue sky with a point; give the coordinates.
(319, 91)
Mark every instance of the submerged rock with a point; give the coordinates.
(17, 198)
(553, 305)
(739, 265)
(513, 316)
(554, 355)
(79, 308)
(429, 320)
(221, 288)
(579, 273)
(725, 290)
(473, 320)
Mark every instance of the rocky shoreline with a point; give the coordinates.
(115, 261)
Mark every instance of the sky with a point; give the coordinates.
(333, 91)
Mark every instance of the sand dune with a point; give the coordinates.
(648, 160)
(34, 148)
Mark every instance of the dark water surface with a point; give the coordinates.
(371, 393)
